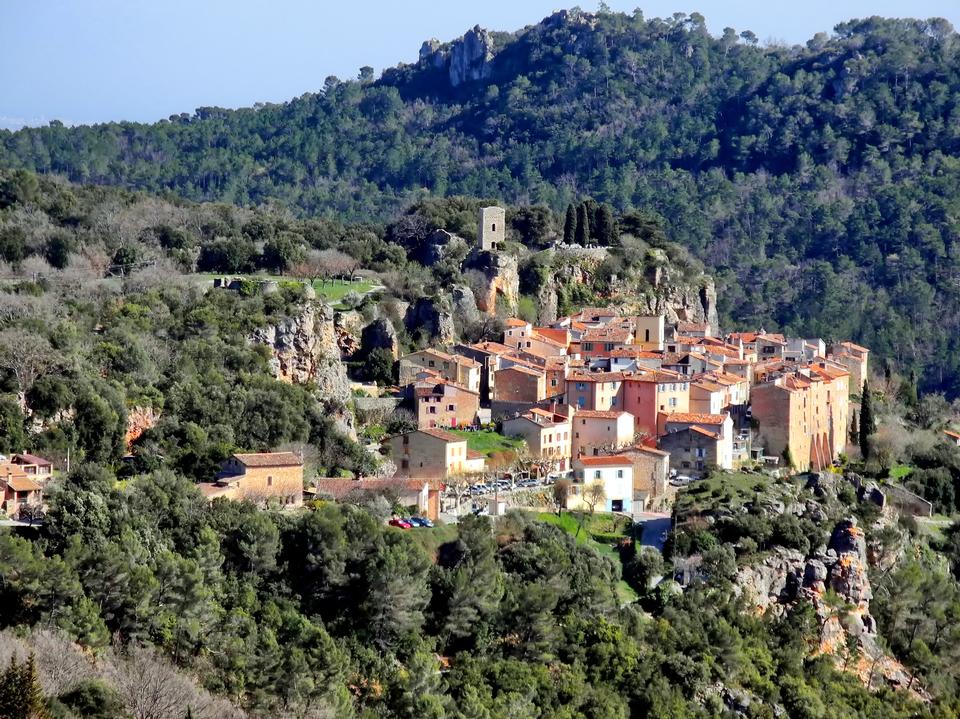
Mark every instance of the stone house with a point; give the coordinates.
(547, 434)
(433, 454)
(260, 477)
(855, 360)
(594, 390)
(462, 370)
(441, 403)
(714, 434)
(419, 494)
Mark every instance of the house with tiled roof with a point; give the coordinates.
(488, 354)
(646, 394)
(613, 474)
(36, 468)
(594, 390)
(19, 493)
(433, 454)
(952, 437)
(704, 440)
(438, 402)
(259, 477)
(417, 496)
(595, 431)
(456, 368)
(853, 358)
(548, 435)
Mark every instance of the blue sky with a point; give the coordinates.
(85, 61)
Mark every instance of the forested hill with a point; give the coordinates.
(820, 183)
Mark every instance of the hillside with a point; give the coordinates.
(818, 183)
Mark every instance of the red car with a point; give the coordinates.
(400, 522)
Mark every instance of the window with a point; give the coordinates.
(433, 410)
(613, 401)
(493, 227)
(701, 452)
(581, 385)
(619, 474)
(581, 402)
(596, 474)
(404, 464)
(528, 343)
(269, 481)
(672, 402)
(646, 336)
(553, 382)
(451, 408)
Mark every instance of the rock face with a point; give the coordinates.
(305, 351)
(683, 303)
(139, 420)
(440, 244)
(432, 317)
(499, 280)
(774, 581)
(465, 308)
(380, 334)
(470, 57)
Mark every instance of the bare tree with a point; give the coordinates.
(561, 491)
(27, 355)
(593, 494)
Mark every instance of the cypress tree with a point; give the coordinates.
(854, 429)
(606, 227)
(570, 225)
(867, 422)
(582, 234)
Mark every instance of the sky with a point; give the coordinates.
(87, 61)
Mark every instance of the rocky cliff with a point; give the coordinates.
(305, 350)
(466, 59)
(496, 283)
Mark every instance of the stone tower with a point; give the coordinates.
(492, 230)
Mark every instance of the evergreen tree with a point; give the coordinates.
(867, 422)
(606, 230)
(854, 429)
(582, 234)
(570, 225)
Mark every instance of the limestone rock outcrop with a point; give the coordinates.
(470, 57)
(497, 283)
(432, 317)
(305, 350)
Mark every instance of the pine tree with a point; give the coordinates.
(582, 235)
(570, 225)
(867, 422)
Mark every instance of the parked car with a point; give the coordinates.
(527, 483)
(421, 522)
(400, 522)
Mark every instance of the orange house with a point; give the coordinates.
(259, 477)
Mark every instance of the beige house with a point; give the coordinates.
(462, 370)
(854, 359)
(547, 434)
(260, 477)
(433, 454)
(441, 403)
(520, 383)
(596, 430)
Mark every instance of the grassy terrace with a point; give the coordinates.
(728, 488)
(487, 441)
(333, 291)
(569, 522)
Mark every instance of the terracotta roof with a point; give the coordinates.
(955, 435)
(651, 450)
(439, 434)
(457, 359)
(596, 377)
(523, 369)
(340, 488)
(705, 433)
(21, 483)
(514, 322)
(610, 460)
(707, 385)
(598, 414)
(561, 336)
(692, 418)
(269, 459)
(473, 454)
(659, 376)
(541, 337)
(635, 352)
(491, 347)
(606, 334)
(692, 326)
(25, 458)
(851, 345)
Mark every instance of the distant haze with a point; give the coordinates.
(85, 62)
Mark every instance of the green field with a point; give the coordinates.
(333, 291)
(899, 471)
(487, 441)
